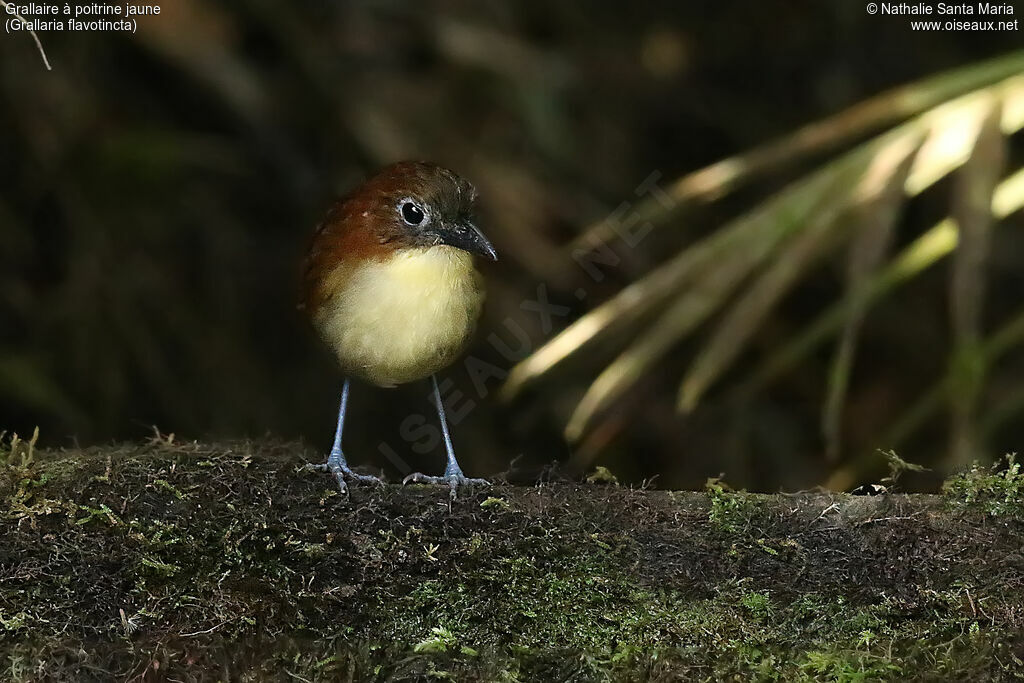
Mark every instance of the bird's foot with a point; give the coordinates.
(344, 474)
(454, 480)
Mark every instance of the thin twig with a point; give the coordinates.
(830, 508)
(209, 630)
(39, 44)
(875, 520)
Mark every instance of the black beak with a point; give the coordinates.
(466, 236)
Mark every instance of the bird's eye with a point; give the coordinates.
(412, 213)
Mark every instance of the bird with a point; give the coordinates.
(391, 288)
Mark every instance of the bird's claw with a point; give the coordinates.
(345, 474)
(452, 480)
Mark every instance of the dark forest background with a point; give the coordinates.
(157, 192)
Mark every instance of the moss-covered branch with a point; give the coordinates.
(196, 562)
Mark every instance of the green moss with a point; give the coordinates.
(440, 640)
(585, 606)
(730, 511)
(495, 502)
(846, 667)
(759, 605)
(602, 475)
(997, 490)
(240, 556)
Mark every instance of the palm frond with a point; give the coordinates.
(874, 164)
(888, 108)
(744, 269)
(754, 238)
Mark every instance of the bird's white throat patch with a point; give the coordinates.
(403, 318)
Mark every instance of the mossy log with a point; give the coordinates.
(232, 562)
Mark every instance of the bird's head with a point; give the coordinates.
(408, 205)
(417, 204)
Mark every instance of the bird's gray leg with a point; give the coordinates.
(453, 475)
(336, 463)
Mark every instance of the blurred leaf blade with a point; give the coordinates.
(925, 251)
(733, 333)
(718, 179)
(915, 258)
(633, 302)
(877, 222)
(1007, 337)
(951, 128)
(1007, 199)
(950, 131)
(759, 235)
(972, 209)
(23, 380)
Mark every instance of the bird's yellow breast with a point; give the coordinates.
(403, 318)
